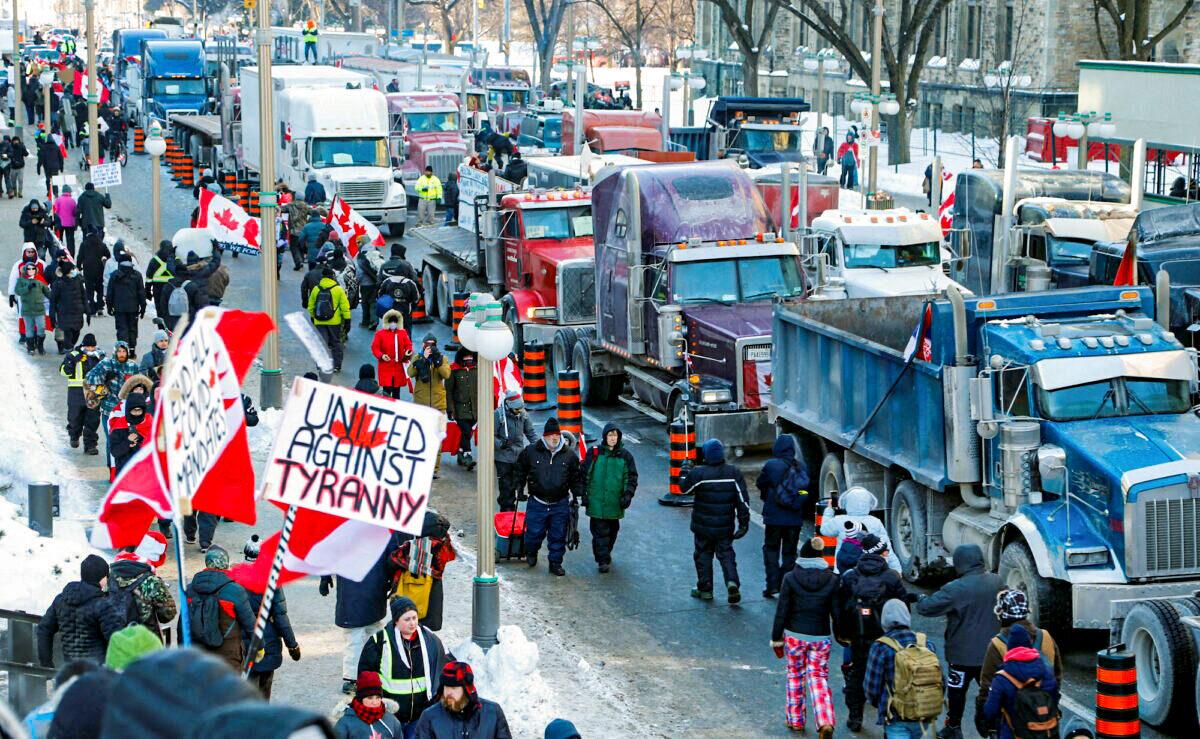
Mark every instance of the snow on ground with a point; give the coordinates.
(509, 675)
(33, 569)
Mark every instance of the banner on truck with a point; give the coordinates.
(473, 183)
(356, 456)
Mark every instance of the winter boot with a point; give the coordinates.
(458, 459)
(702, 594)
(41, 343)
(30, 346)
(470, 461)
(735, 594)
(854, 723)
(91, 451)
(604, 567)
(825, 732)
(556, 568)
(74, 442)
(531, 559)
(950, 732)
(349, 686)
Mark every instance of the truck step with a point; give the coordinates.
(641, 407)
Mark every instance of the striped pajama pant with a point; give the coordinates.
(808, 674)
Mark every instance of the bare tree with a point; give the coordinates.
(1130, 19)
(738, 17)
(545, 21)
(906, 41)
(631, 19)
(1012, 51)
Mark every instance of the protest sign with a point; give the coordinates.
(107, 174)
(354, 455)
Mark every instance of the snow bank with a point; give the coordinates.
(33, 568)
(262, 436)
(508, 674)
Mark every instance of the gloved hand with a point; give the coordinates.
(326, 586)
(522, 496)
(742, 530)
(12, 301)
(295, 653)
(626, 501)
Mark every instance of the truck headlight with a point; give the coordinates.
(1087, 556)
(396, 193)
(710, 397)
(544, 313)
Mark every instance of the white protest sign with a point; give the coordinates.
(199, 423)
(107, 174)
(354, 455)
(473, 183)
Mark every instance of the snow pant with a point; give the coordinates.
(355, 639)
(822, 164)
(808, 677)
(465, 428)
(93, 291)
(451, 210)
(263, 680)
(367, 302)
(332, 334)
(69, 238)
(548, 522)
(310, 47)
(70, 336)
(848, 178)
(205, 522)
(779, 553)
(604, 538)
(425, 211)
(506, 478)
(722, 549)
(958, 682)
(81, 420)
(127, 329)
(855, 672)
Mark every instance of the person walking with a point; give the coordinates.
(107, 379)
(610, 480)
(159, 271)
(359, 610)
(132, 578)
(64, 213)
(314, 235)
(309, 35)
(1012, 608)
(429, 192)
(1026, 674)
(220, 619)
(49, 160)
(33, 296)
(721, 501)
(83, 616)
(429, 371)
(16, 174)
(787, 510)
(805, 619)
(93, 254)
(847, 157)
(35, 226)
(330, 309)
(129, 431)
(126, 302)
(823, 149)
(903, 676)
(857, 502)
(276, 634)
(6, 183)
(460, 711)
(367, 265)
(514, 432)
(420, 557)
(366, 717)
(549, 469)
(450, 198)
(68, 305)
(392, 348)
(968, 603)
(460, 402)
(409, 659)
(82, 419)
(89, 208)
(398, 288)
(314, 191)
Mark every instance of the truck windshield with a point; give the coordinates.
(888, 256)
(735, 280)
(349, 152)
(1065, 250)
(506, 98)
(431, 122)
(557, 223)
(1121, 396)
(763, 140)
(161, 88)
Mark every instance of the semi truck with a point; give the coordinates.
(329, 123)
(1053, 429)
(631, 132)
(127, 51)
(411, 76)
(169, 80)
(764, 130)
(687, 268)
(425, 131)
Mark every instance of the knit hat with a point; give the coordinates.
(312, 376)
(551, 426)
(401, 606)
(852, 529)
(135, 401)
(872, 544)
(1018, 637)
(251, 549)
(814, 548)
(1012, 606)
(366, 372)
(513, 400)
(161, 335)
(895, 615)
(93, 569)
(459, 675)
(130, 644)
(399, 250)
(88, 340)
(216, 558)
(367, 685)
(84, 704)
(560, 728)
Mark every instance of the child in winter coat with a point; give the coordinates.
(393, 348)
(857, 502)
(366, 716)
(1021, 663)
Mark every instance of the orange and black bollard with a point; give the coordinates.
(418, 312)
(1117, 693)
(829, 542)
(535, 374)
(570, 407)
(682, 455)
(254, 210)
(187, 173)
(229, 184)
(243, 195)
(139, 140)
(458, 311)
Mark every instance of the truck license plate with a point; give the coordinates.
(758, 354)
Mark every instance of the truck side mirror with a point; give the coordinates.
(1052, 466)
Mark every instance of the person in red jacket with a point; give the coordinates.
(127, 432)
(393, 348)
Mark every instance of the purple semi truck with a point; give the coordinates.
(687, 267)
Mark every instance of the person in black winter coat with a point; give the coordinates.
(549, 468)
(785, 512)
(49, 160)
(126, 300)
(450, 198)
(93, 253)
(310, 280)
(235, 620)
(69, 306)
(517, 170)
(366, 380)
(968, 603)
(360, 608)
(721, 501)
(18, 155)
(276, 635)
(35, 225)
(159, 271)
(83, 615)
(460, 711)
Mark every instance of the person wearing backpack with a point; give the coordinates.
(219, 615)
(329, 308)
(1012, 608)
(134, 587)
(787, 508)
(968, 603)
(1023, 696)
(904, 677)
(81, 615)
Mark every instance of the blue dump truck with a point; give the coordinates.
(169, 81)
(764, 130)
(1054, 429)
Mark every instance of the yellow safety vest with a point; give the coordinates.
(75, 380)
(161, 274)
(397, 686)
(429, 187)
(310, 35)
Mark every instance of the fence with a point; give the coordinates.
(18, 660)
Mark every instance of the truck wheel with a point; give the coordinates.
(1049, 600)
(1162, 648)
(676, 407)
(906, 527)
(580, 363)
(563, 349)
(833, 479)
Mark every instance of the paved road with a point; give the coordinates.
(681, 666)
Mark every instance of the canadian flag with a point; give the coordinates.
(920, 343)
(349, 224)
(231, 226)
(946, 209)
(80, 87)
(506, 375)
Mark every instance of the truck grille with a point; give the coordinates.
(577, 292)
(444, 163)
(370, 194)
(1162, 537)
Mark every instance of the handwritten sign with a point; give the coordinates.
(107, 174)
(473, 183)
(355, 455)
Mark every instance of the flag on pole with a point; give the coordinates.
(231, 226)
(80, 87)
(506, 375)
(349, 224)
(920, 342)
(135, 499)
(946, 209)
(1127, 269)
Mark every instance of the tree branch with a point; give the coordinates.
(1171, 25)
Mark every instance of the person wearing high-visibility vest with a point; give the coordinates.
(310, 40)
(409, 659)
(159, 272)
(429, 192)
(81, 420)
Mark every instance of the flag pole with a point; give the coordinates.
(185, 635)
(264, 608)
(183, 506)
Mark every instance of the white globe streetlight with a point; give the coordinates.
(811, 64)
(493, 340)
(156, 146)
(1075, 130)
(889, 107)
(468, 327)
(676, 83)
(696, 83)
(1060, 128)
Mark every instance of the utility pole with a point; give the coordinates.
(18, 79)
(271, 380)
(93, 98)
(506, 30)
(876, 53)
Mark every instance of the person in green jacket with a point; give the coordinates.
(330, 310)
(610, 480)
(33, 295)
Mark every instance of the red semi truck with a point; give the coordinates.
(425, 130)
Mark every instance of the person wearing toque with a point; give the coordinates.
(408, 658)
(82, 616)
(461, 711)
(549, 469)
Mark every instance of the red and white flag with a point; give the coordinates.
(506, 375)
(349, 224)
(135, 499)
(920, 343)
(946, 209)
(231, 226)
(79, 87)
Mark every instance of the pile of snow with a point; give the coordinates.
(33, 568)
(508, 674)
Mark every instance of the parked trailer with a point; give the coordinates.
(1164, 636)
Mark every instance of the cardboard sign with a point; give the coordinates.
(473, 183)
(107, 174)
(355, 455)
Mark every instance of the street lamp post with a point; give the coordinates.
(876, 54)
(1079, 126)
(271, 378)
(877, 104)
(155, 147)
(17, 80)
(93, 98)
(821, 62)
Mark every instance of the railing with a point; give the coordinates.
(27, 679)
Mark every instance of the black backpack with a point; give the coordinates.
(1035, 711)
(792, 492)
(867, 599)
(124, 599)
(204, 618)
(323, 309)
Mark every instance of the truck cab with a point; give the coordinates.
(764, 130)
(171, 80)
(425, 131)
(540, 128)
(1060, 234)
(875, 253)
(497, 89)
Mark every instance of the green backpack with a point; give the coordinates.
(916, 691)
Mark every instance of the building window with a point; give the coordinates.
(941, 28)
(971, 31)
(1008, 18)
